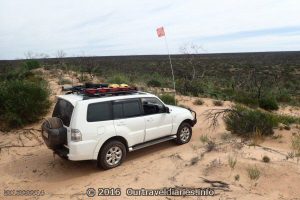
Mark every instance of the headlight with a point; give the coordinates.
(76, 135)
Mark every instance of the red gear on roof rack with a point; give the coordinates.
(103, 91)
(100, 89)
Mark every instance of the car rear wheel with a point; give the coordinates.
(112, 154)
(184, 133)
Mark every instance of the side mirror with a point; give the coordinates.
(167, 110)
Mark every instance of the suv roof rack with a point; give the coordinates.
(100, 90)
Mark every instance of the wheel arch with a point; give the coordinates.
(117, 138)
(189, 121)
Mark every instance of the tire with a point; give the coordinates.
(184, 133)
(112, 154)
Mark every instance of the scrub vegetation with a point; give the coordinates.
(260, 82)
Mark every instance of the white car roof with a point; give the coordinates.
(74, 98)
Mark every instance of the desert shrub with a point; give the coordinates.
(244, 98)
(187, 87)
(210, 146)
(118, 79)
(22, 102)
(283, 96)
(32, 64)
(198, 102)
(195, 160)
(253, 173)
(153, 83)
(245, 122)
(290, 155)
(266, 159)
(237, 177)
(63, 81)
(286, 119)
(17, 73)
(268, 103)
(218, 103)
(168, 99)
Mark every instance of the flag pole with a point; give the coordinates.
(170, 60)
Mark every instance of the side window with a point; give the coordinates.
(126, 109)
(131, 109)
(152, 105)
(99, 112)
(118, 110)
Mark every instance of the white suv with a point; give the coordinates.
(106, 128)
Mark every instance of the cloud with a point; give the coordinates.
(98, 27)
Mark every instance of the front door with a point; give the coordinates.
(158, 123)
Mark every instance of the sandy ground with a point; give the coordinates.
(159, 166)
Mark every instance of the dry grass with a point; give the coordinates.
(198, 102)
(296, 144)
(257, 138)
(218, 103)
(226, 136)
(204, 139)
(253, 173)
(232, 162)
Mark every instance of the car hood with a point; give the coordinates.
(177, 109)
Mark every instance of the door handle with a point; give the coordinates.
(149, 119)
(120, 123)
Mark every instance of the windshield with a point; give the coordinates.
(63, 110)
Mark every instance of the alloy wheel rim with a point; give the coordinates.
(185, 134)
(114, 155)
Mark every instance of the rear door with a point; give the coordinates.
(64, 110)
(129, 121)
(158, 123)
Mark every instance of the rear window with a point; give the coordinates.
(63, 110)
(99, 112)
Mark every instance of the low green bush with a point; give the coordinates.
(244, 121)
(268, 103)
(246, 99)
(32, 64)
(168, 99)
(22, 102)
(118, 79)
(187, 87)
(153, 83)
(283, 96)
(286, 119)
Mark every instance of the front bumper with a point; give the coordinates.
(194, 121)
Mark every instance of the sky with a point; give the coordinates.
(128, 27)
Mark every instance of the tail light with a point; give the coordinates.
(76, 135)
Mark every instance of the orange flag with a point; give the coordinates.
(160, 31)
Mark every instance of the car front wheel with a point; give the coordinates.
(184, 133)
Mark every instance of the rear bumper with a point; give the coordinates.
(83, 150)
(62, 152)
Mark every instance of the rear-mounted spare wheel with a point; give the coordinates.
(54, 133)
